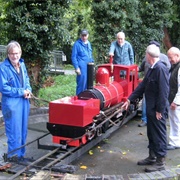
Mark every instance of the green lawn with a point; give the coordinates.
(57, 87)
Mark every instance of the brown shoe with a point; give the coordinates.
(147, 161)
(158, 166)
(155, 168)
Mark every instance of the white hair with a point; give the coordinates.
(153, 50)
(174, 50)
(120, 34)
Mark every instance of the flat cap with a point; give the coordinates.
(84, 32)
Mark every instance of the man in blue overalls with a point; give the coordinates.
(16, 91)
(81, 56)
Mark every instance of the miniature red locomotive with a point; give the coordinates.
(76, 120)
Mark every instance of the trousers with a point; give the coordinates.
(174, 120)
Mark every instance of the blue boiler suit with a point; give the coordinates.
(15, 108)
(155, 85)
(81, 56)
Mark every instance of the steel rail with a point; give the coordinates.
(33, 163)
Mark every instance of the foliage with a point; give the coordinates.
(155, 16)
(38, 26)
(78, 17)
(68, 67)
(63, 85)
(142, 23)
(174, 31)
(112, 17)
(3, 33)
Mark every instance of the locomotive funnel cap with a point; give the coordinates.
(84, 32)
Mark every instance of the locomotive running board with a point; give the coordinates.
(81, 150)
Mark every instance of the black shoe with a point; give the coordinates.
(25, 161)
(147, 161)
(12, 159)
(170, 147)
(142, 124)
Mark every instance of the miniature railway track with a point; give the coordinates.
(59, 156)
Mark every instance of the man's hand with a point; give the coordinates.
(158, 116)
(111, 54)
(27, 94)
(126, 104)
(78, 71)
(173, 106)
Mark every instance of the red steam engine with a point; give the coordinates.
(74, 121)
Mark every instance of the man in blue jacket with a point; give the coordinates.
(16, 91)
(81, 56)
(121, 50)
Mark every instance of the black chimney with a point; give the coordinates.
(90, 75)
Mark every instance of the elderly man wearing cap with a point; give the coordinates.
(144, 68)
(155, 86)
(81, 56)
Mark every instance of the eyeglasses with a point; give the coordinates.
(84, 35)
(13, 54)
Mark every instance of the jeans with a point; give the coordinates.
(144, 117)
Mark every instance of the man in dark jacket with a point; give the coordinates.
(155, 85)
(144, 67)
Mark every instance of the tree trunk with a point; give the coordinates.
(166, 40)
(35, 73)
